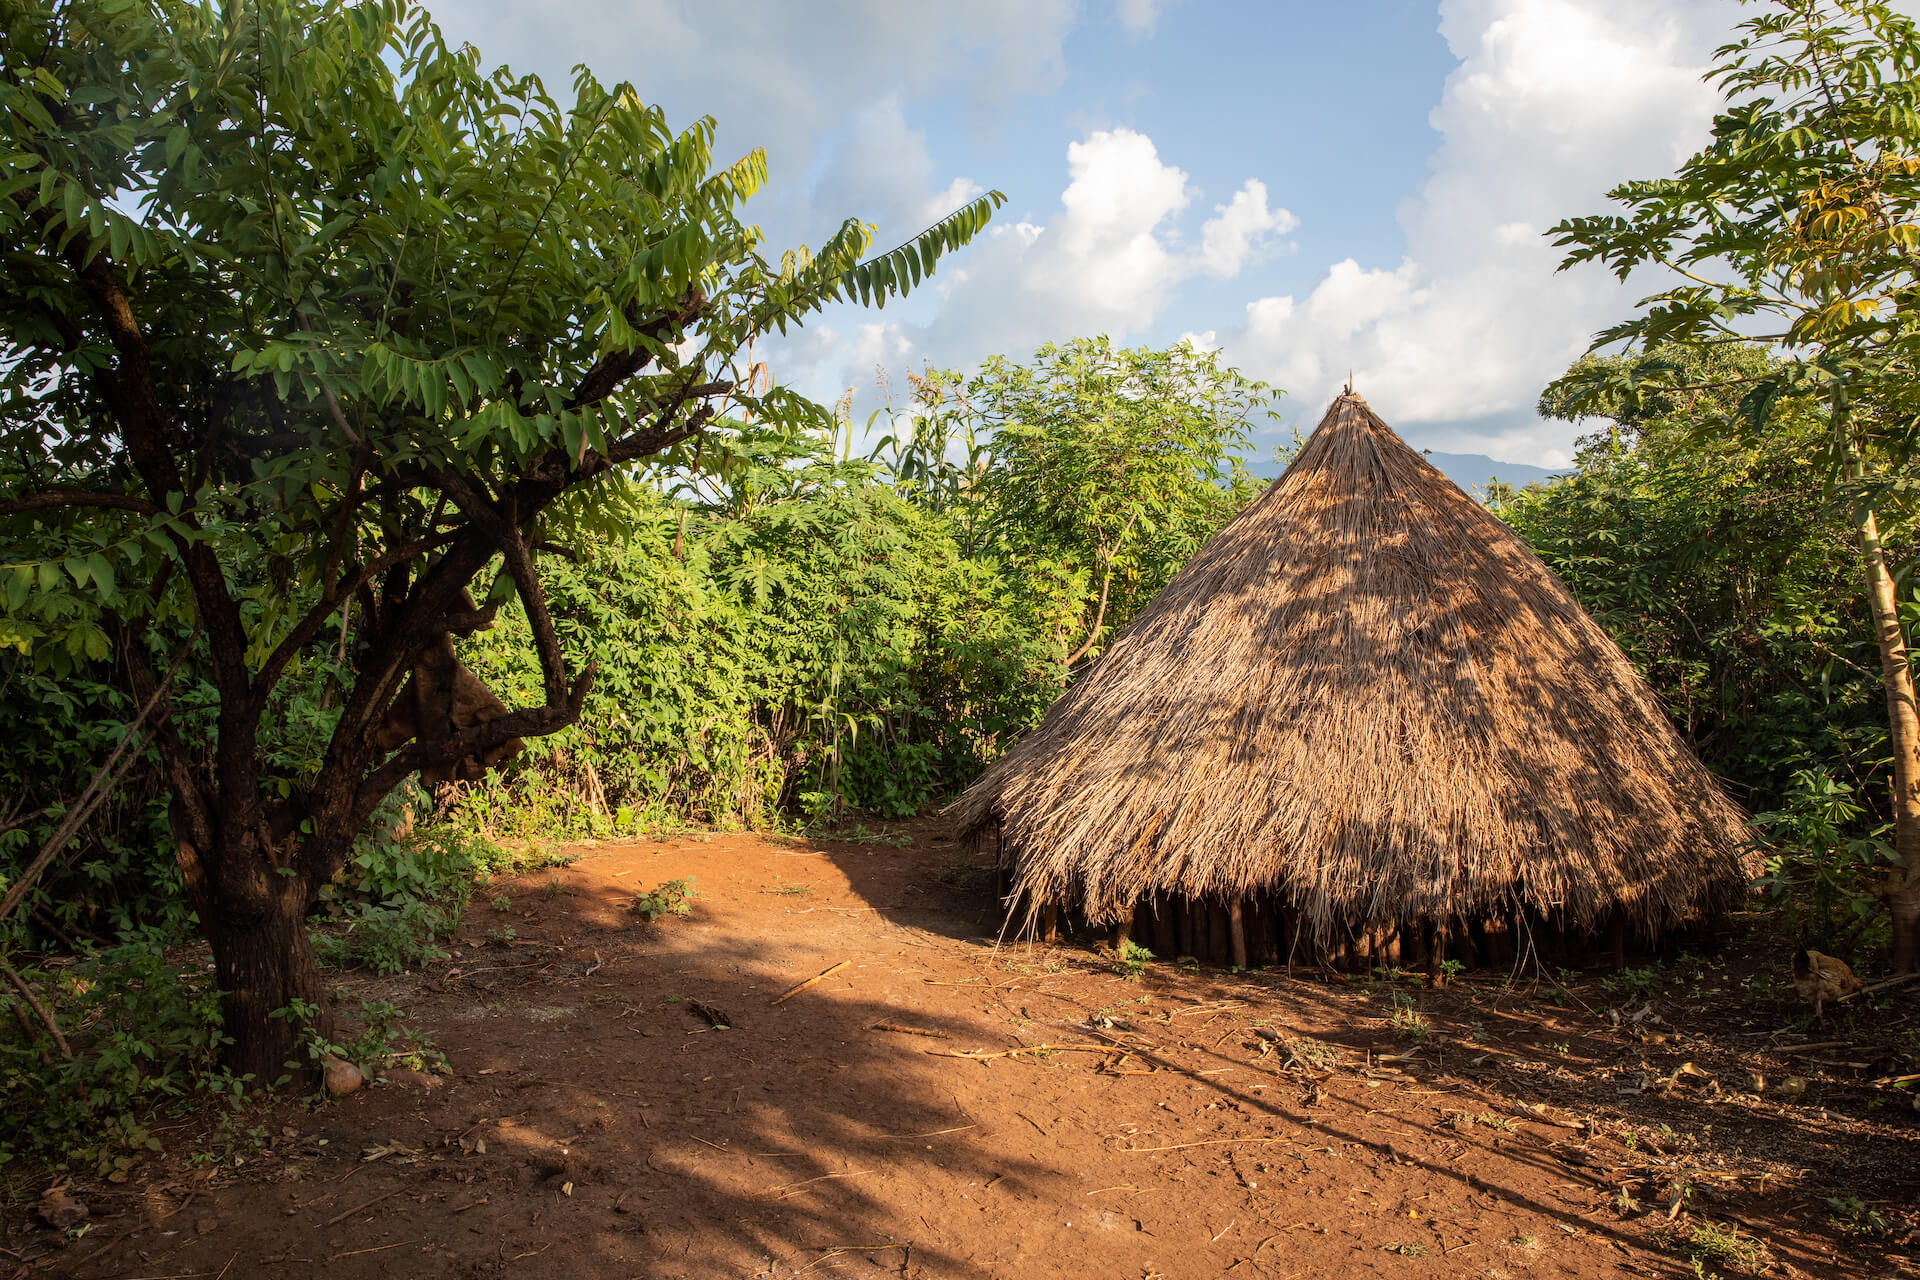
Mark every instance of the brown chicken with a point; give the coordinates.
(1819, 978)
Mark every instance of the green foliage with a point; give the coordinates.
(1796, 226)
(1826, 859)
(1706, 1244)
(829, 645)
(402, 858)
(1735, 587)
(53, 735)
(407, 886)
(384, 1039)
(309, 323)
(1406, 1017)
(1634, 983)
(796, 633)
(145, 1033)
(1131, 960)
(670, 898)
(389, 937)
(1855, 1217)
(1105, 471)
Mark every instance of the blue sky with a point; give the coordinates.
(1310, 187)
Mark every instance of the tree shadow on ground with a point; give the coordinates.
(841, 1131)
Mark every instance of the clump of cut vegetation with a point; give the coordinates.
(1312, 1055)
(1706, 1244)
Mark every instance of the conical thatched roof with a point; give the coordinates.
(1366, 695)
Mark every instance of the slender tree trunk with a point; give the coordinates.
(1099, 616)
(1903, 737)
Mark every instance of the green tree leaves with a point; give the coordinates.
(1797, 225)
(308, 320)
(1106, 469)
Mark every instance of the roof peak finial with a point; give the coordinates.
(1349, 381)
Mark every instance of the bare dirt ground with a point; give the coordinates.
(593, 1122)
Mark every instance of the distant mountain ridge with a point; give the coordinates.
(1470, 471)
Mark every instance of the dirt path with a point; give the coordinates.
(595, 1124)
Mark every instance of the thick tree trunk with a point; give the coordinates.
(1903, 738)
(264, 964)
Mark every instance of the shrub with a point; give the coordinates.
(673, 898)
(145, 1031)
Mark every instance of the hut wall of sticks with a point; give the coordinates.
(1364, 725)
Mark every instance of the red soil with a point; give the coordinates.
(594, 1125)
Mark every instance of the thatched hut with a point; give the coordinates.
(1365, 720)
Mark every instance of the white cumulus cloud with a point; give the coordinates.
(1139, 17)
(1241, 228)
(787, 76)
(1104, 260)
(1108, 260)
(1553, 102)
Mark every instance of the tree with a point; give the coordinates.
(311, 324)
(1798, 228)
(1108, 463)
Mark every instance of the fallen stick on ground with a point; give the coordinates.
(908, 1031)
(1881, 985)
(979, 1056)
(380, 1248)
(829, 1252)
(932, 1133)
(339, 1218)
(1809, 1048)
(792, 1187)
(856, 1248)
(791, 992)
(153, 1222)
(1182, 1146)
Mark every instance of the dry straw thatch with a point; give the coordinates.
(1366, 701)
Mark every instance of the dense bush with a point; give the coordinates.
(1734, 586)
(795, 632)
(144, 1031)
(112, 877)
(831, 648)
